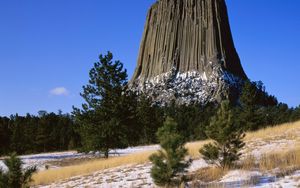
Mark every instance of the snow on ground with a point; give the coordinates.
(253, 179)
(124, 176)
(239, 176)
(258, 147)
(139, 175)
(287, 181)
(2, 166)
(41, 160)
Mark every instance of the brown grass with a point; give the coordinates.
(52, 175)
(267, 162)
(248, 163)
(289, 130)
(49, 176)
(210, 174)
(286, 163)
(193, 148)
(284, 160)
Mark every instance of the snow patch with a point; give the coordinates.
(187, 87)
(41, 160)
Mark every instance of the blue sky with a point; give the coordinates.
(48, 46)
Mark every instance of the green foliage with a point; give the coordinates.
(101, 122)
(5, 133)
(254, 94)
(32, 134)
(227, 135)
(211, 153)
(254, 99)
(191, 119)
(296, 114)
(3, 179)
(259, 109)
(149, 119)
(169, 163)
(15, 177)
(115, 117)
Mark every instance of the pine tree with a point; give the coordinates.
(227, 135)
(5, 135)
(149, 118)
(254, 99)
(17, 138)
(15, 177)
(169, 162)
(100, 121)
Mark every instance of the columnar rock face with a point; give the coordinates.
(187, 53)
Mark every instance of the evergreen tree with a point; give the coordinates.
(15, 177)
(295, 114)
(254, 102)
(100, 122)
(32, 134)
(169, 162)
(42, 135)
(5, 134)
(17, 137)
(227, 135)
(149, 118)
(191, 119)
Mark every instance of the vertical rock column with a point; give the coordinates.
(190, 35)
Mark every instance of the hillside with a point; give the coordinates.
(271, 158)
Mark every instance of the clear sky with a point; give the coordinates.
(48, 46)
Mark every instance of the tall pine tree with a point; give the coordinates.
(100, 122)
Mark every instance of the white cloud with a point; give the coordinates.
(59, 91)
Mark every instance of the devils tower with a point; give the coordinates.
(187, 54)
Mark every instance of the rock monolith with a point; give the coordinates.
(187, 54)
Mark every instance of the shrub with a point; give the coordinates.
(15, 177)
(169, 162)
(227, 135)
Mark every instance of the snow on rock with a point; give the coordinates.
(188, 87)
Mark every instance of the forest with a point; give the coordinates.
(114, 117)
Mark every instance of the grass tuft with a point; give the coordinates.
(284, 160)
(210, 174)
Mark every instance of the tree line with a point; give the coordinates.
(114, 117)
(36, 134)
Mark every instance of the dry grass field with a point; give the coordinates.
(284, 160)
(49, 176)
